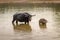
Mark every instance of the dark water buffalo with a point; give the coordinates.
(22, 17)
(42, 21)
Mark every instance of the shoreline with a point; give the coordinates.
(33, 2)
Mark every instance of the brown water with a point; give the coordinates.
(31, 31)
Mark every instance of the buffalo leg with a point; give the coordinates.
(16, 22)
(13, 20)
(25, 22)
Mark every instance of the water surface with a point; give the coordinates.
(31, 31)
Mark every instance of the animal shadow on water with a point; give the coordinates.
(22, 27)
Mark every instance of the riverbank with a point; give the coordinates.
(30, 1)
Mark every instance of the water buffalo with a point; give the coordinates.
(42, 21)
(22, 17)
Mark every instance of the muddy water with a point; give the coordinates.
(31, 31)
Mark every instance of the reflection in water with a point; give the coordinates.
(22, 27)
(43, 26)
